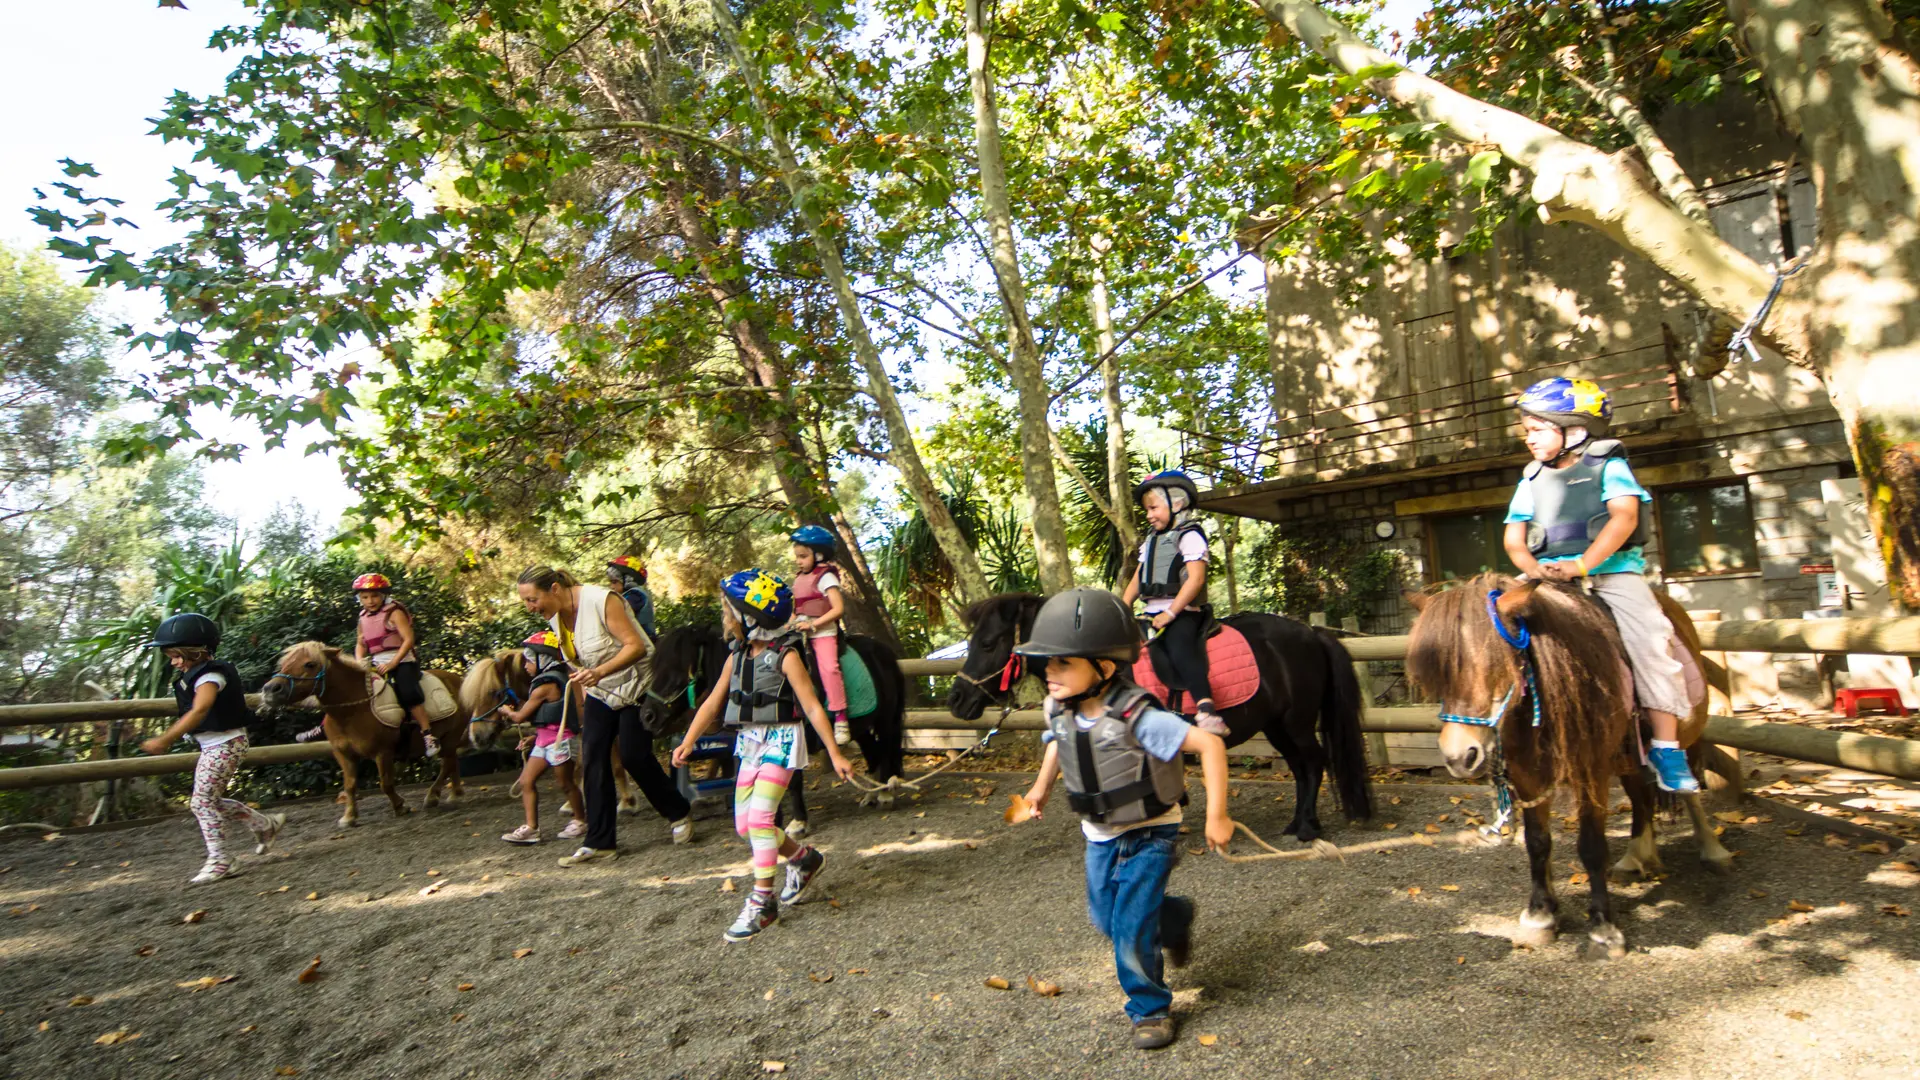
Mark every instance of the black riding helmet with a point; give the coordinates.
(1090, 623)
(187, 630)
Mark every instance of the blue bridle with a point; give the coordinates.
(1520, 639)
(500, 699)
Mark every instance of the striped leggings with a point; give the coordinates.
(757, 792)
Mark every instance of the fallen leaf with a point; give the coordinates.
(522, 954)
(1836, 840)
(1395, 800)
(195, 916)
(457, 1017)
(1391, 825)
(1796, 1014)
(45, 1024)
(205, 982)
(50, 837)
(1444, 817)
(1799, 905)
(144, 950)
(313, 896)
(484, 878)
(115, 1038)
(970, 845)
(1413, 890)
(433, 888)
(1875, 847)
(250, 1029)
(935, 997)
(773, 1066)
(1449, 888)
(768, 996)
(286, 1070)
(283, 888)
(1018, 809)
(1577, 879)
(1233, 793)
(433, 873)
(1895, 910)
(1735, 817)
(1459, 959)
(1433, 828)
(998, 983)
(729, 886)
(310, 972)
(1209, 1040)
(79, 1000)
(1455, 800)
(856, 971)
(1756, 894)
(820, 976)
(1314, 947)
(833, 902)
(922, 813)
(464, 987)
(1042, 987)
(126, 864)
(1795, 832)
(1904, 867)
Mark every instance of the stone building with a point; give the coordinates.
(1392, 415)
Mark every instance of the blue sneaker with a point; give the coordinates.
(1670, 769)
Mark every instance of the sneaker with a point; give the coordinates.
(1176, 928)
(587, 855)
(211, 872)
(263, 838)
(842, 731)
(801, 870)
(575, 830)
(1210, 722)
(1152, 1033)
(433, 746)
(760, 911)
(1670, 769)
(682, 830)
(525, 834)
(312, 733)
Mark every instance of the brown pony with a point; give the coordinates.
(1582, 694)
(344, 688)
(500, 682)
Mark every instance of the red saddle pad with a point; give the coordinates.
(1230, 668)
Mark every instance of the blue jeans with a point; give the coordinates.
(1127, 898)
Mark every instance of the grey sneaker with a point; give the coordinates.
(1152, 1033)
(801, 870)
(760, 911)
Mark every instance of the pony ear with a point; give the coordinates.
(1517, 601)
(1418, 599)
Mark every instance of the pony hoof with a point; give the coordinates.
(631, 806)
(883, 800)
(432, 800)
(401, 810)
(1606, 943)
(1721, 865)
(1536, 929)
(348, 823)
(796, 829)
(1630, 869)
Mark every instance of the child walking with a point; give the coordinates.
(1172, 578)
(818, 605)
(546, 709)
(1576, 514)
(628, 576)
(764, 692)
(213, 709)
(1120, 756)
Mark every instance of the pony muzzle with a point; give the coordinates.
(1467, 750)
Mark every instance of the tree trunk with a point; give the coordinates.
(1119, 478)
(969, 577)
(1023, 354)
(1849, 90)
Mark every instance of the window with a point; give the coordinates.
(1467, 544)
(1706, 530)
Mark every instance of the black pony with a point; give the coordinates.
(687, 662)
(1308, 704)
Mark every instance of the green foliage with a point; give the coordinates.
(210, 583)
(1304, 567)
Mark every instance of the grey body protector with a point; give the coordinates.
(757, 690)
(1568, 511)
(1111, 779)
(1163, 571)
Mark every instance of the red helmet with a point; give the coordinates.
(372, 583)
(545, 644)
(628, 568)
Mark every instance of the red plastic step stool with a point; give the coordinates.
(1848, 701)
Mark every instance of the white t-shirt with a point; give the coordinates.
(828, 580)
(1193, 548)
(214, 738)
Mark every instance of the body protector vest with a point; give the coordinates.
(808, 600)
(229, 706)
(1111, 779)
(548, 714)
(757, 691)
(640, 602)
(1163, 571)
(377, 632)
(1568, 511)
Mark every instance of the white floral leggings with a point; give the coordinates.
(211, 808)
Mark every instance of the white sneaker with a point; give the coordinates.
(433, 747)
(263, 838)
(522, 835)
(842, 731)
(759, 912)
(587, 855)
(575, 830)
(682, 831)
(211, 872)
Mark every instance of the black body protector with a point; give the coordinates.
(1163, 571)
(757, 690)
(1568, 511)
(1111, 779)
(549, 712)
(230, 710)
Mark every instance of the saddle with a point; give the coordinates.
(1230, 668)
(386, 705)
(862, 697)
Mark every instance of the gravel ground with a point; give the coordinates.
(1341, 970)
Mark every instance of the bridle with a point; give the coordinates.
(319, 684)
(501, 699)
(693, 683)
(1521, 641)
(1009, 673)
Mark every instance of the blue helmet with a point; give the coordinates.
(761, 599)
(1170, 478)
(815, 537)
(1569, 403)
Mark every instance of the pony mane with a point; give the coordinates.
(980, 609)
(315, 652)
(483, 681)
(676, 653)
(1587, 703)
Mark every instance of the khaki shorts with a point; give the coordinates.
(1659, 681)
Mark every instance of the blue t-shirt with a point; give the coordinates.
(1616, 480)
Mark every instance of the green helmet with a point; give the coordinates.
(1090, 623)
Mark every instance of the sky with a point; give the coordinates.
(82, 78)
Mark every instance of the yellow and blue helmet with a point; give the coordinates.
(1569, 403)
(761, 599)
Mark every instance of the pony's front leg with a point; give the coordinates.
(448, 777)
(628, 796)
(387, 786)
(1642, 859)
(794, 805)
(1604, 939)
(1537, 922)
(349, 786)
(1716, 857)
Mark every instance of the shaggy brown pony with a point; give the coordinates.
(1586, 734)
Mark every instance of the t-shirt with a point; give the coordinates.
(214, 738)
(1193, 548)
(1161, 734)
(828, 580)
(1616, 480)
